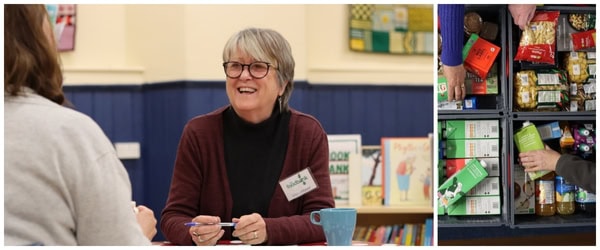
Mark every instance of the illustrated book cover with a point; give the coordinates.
(407, 170)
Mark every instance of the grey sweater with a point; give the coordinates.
(63, 183)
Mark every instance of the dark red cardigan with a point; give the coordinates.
(200, 186)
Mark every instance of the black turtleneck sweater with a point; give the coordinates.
(254, 155)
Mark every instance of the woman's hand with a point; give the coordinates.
(145, 217)
(455, 76)
(206, 235)
(251, 229)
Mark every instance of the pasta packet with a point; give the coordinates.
(575, 64)
(584, 40)
(538, 40)
(552, 89)
(525, 90)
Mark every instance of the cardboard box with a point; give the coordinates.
(450, 105)
(442, 89)
(524, 194)
(470, 102)
(471, 148)
(476, 85)
(454, 165)
(476, 205)
(487, 187)
(460, 183)
(472, 129)
(549, 131)
(479, 55)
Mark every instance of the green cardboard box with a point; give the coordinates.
(487, 187)
(476, 205)
(457, 185)
(442, 91)
(453, 165)
(471, 148)
(472, 129)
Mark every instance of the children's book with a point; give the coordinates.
(371, 190)
(342, 149)
(407, 170)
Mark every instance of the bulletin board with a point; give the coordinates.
(391, 28)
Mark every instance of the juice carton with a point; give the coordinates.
(476, 205)
(487, 187)
(454, 165)
(472, 129)
(469, 148)
(460, 183)
(527, 139)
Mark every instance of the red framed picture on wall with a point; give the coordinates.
(65, 26)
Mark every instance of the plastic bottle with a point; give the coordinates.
(565, 196)
(544, 195)
(585, 202)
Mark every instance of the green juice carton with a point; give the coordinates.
(470, 148)
(487, 187)
(459, 184)
(527, 139)
(476, 205)
(472, 129)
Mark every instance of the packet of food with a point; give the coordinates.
(538, 39)
(584, 40)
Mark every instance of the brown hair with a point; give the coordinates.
(30, 58)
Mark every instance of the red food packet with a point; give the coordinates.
(538, 40)
(584, 40)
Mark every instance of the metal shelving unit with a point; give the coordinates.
(510, 120)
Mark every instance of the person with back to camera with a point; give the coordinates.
(573, 168)
(451, 20)
(64, 184)
(230, 162)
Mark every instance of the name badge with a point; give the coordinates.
(298, 184)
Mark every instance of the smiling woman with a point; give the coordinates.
(250, 150)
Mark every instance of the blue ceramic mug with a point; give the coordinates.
(337, 223)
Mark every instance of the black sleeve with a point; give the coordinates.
(577, 171)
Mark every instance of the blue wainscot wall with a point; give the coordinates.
(155, 114)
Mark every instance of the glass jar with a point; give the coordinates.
(565, 196)
(585, 202)
(544, 195)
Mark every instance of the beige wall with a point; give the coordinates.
(132, 44)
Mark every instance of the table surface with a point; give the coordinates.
(235, 242)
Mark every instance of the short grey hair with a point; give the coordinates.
(270, 46)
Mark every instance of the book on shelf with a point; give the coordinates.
(371, 190)
(344, 151)
(407, 170)
(428, 240)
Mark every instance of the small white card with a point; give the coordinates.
(298, 184)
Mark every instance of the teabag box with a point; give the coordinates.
(457, 185)
(479, 55)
